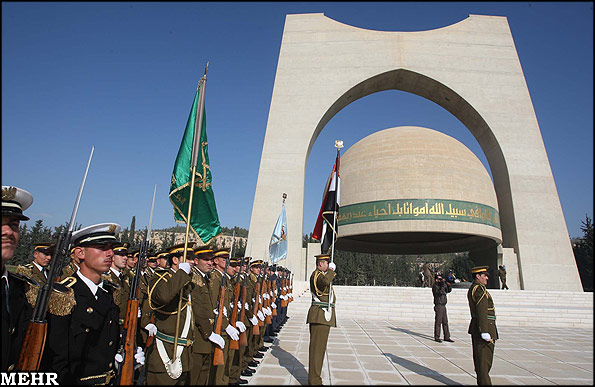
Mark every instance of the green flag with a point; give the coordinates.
(204, 220)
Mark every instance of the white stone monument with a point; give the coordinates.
(471, 69)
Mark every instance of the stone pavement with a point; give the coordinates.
(364, 351)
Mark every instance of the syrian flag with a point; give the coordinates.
(324, 231)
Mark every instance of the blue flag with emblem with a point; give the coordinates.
(278, 244)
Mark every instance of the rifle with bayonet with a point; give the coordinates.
(273, 292)
(128, 348)
(234, 344)
(267, 301)
(218, 358)
(255, 327)
(243, 291)
(35, 336)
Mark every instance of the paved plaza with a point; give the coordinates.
(369, 351)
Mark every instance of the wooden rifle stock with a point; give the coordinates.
(218, 358)
(150, 338)
(272, 287)
(130, 324)
(234, 344)
(255, 329)
(33, 346)
(243, 335)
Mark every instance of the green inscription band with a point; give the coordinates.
(419, 209)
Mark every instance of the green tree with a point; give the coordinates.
(583, 254)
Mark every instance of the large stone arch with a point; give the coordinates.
(471, 69)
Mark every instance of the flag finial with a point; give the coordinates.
(338, 144)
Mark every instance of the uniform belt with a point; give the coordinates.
(170, 339)
(489, 317)
(98, 380)
(317, 303)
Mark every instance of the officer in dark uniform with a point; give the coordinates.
(482, 328)
(83, 343)
(38, 269)
(16, 311)
(320, 318)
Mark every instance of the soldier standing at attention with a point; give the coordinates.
(38, 269)
(116, 276)
(16, 311)
(320, 286)
(165, 287)
(84, 342)
(502, 275)
(482, 328)
(72, 267)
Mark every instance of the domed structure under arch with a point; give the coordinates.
(413, 190)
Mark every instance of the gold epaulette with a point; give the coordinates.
(61, 300)
(253, 277)
(318, 292)
(198, 280)
(473, 292)
(162, 275)
(25, 270)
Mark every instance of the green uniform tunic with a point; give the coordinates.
(219, 375)
(320, 283)
(164, 293)
(203, 319)
(483, 320)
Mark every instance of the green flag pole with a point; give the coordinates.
(195, 148)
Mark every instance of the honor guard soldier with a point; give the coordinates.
(147, 315)
(205, 338)
(84, 343)
(220, 373)
(165, 288)
(16, 311)
(250, 320)
(482, 328)
(38, 269)
(72, 267)
(116, 276)
(235, 354)
(320, 318)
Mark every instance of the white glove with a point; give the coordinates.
(139, 313)
(283, 297)
(246, 306)
(240, 306)
(260, 315)
(152, 329)
(486, 336)
(118, 360)
(259, 300)
(265, 296)
(240, 325)
(217, 339)
(232, 332)
(225, 311)
(291, 295)
(273, 305)
(332, 266)
(139, 357)
(271, 293)
(231, 306)
(254, 321)
(269, 311)
(185, 266)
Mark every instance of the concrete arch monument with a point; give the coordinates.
(471, 69)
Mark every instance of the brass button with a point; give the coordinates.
(12, 330)
(89, 310)
(11, 367)
(110, 343)
(87, 330)
(110, 321)
(109, 365)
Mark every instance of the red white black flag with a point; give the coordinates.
(325, 229)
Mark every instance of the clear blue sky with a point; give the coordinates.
(122, 76)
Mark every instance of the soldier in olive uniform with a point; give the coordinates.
(220, 373)
(84, 343)
(165, 287)
(204, 318)
(320, 325)
(251, 320)
(117, 277)
(502, 275)
(72, 267)
(38, 269)
(482, 328)
(16, 311)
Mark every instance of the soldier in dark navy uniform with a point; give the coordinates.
(16, 311)
(83, 344)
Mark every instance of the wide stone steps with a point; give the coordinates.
(531, 308)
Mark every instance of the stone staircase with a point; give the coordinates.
(523, 308)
